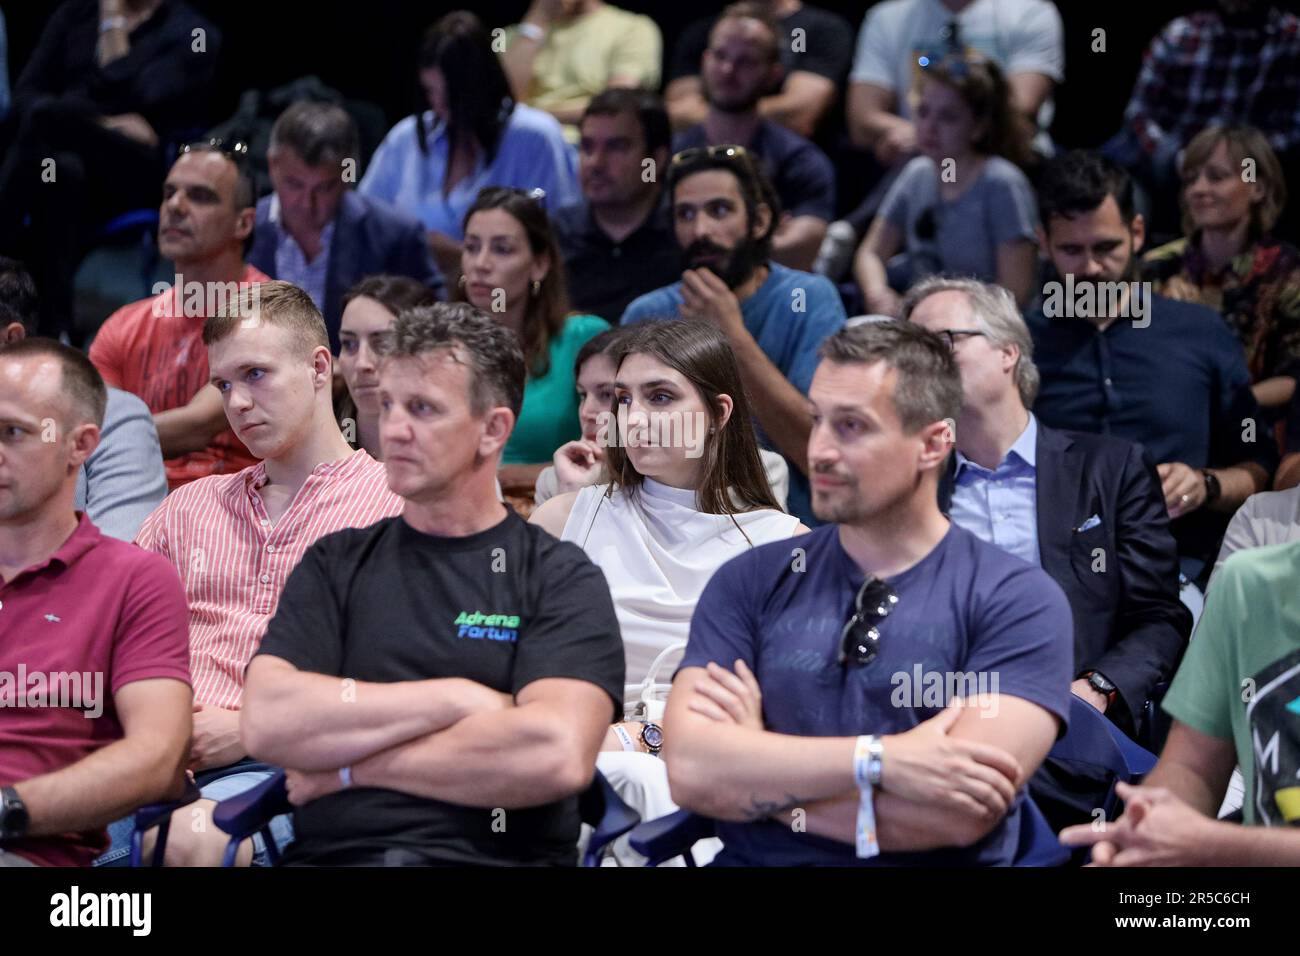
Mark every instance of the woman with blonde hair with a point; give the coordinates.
(1233, 193)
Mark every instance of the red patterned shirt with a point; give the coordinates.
(234, 562)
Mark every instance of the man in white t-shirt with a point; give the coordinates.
(1024, 37)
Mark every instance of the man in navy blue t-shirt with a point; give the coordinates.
(808, 715)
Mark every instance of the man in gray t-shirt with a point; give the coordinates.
(1024, 37)
(1269, 517)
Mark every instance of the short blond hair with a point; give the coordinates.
(276, 303)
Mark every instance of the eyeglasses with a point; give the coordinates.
(860, 639)
(235, 149)
(951, 335)
(710, 152)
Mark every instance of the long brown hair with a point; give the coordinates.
(732, 480)
(549, 307)
(983, 87)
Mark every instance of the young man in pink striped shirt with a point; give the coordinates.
(235, 538)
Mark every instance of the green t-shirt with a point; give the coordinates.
(549, 416)
(1240, 678)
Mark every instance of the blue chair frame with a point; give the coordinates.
(1093, 739)
(159, 815)
(251, 812)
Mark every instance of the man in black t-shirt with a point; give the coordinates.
(440, 681)
(816, 50)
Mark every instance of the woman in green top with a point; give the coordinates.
(511, 269)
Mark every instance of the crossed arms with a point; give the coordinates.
(946, 782)
(448, 739)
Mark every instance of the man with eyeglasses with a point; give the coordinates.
(724, 212)
(1085, 508)
(816, 713)
(154, 347)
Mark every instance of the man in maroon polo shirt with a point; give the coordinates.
(94, 662)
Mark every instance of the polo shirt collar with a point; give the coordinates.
(1025, 448)
(85, 536)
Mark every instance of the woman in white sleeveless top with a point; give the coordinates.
(686, 491)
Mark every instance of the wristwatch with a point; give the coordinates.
(1212, 487)
(652, 735)
(1102, 686)
(13, 815)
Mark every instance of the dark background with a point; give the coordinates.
(367, 49)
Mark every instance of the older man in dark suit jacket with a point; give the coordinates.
(1086, 508)
(317, 233)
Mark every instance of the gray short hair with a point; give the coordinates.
(994, 310)
(928, 387)
(473, 338)
(322, 134)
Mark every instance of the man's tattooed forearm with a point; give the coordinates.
(762, 809)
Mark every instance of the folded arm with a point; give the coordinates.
(191, 427)
(146, 765)
(539, 751)
(1020, 728)
(938, 789)
(312, 721)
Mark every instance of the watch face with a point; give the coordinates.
(1101, 684)
(653, 735)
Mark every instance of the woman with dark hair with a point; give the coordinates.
(686, 493)
(581, 462)
(963, 206)
(473, 134)
(1233, 193)
(369, 309)
(511, 268)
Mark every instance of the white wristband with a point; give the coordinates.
(109, 24)
(532, 32)
(345, 776)
(624, 738)
(866, 771)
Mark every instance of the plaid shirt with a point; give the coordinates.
(1200, 71)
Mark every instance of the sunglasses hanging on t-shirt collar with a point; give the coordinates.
(860, 638)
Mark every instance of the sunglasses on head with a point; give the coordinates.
(860, 638)
(710, 152)
(537, 195)
(235, 149)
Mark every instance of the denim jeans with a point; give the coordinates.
(217, 784)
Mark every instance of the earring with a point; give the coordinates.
(461, 281)
(537, 286)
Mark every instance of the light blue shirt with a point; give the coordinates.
(1001, 506)
(291, 263)
(789, 316)
(532, 154)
